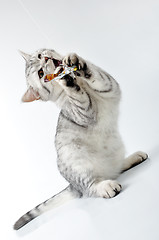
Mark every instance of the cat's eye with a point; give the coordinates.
(39, 56)
(40, 73)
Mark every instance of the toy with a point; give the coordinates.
(63, 71)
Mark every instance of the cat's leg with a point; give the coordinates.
(100, 81)
(133, 160)
(80, 174)
(79, 109)
(73, 90)
(110, 188)
(90, 186)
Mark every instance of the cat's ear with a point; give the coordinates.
(26, 56)
(30, 95)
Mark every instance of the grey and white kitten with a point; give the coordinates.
(90, 152)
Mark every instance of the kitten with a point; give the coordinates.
(89, 147)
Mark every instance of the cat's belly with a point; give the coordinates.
(106, 154)
(101, 154)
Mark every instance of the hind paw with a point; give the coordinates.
(107, 189)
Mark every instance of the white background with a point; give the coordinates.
(120, 36)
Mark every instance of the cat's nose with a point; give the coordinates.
(46, 59)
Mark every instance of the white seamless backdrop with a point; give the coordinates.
(120, 36)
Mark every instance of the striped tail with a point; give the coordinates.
(57, 200)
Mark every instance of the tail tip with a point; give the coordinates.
(20, 223)
(17, 226)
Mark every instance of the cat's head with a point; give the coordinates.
(38, 64)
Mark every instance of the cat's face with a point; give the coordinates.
(39, 64)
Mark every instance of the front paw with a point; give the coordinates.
(73, 59)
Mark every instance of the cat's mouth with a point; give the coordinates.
(56, 62)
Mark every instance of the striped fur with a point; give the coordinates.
(90, 152)
(55, 201)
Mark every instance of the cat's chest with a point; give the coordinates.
(107, 115)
